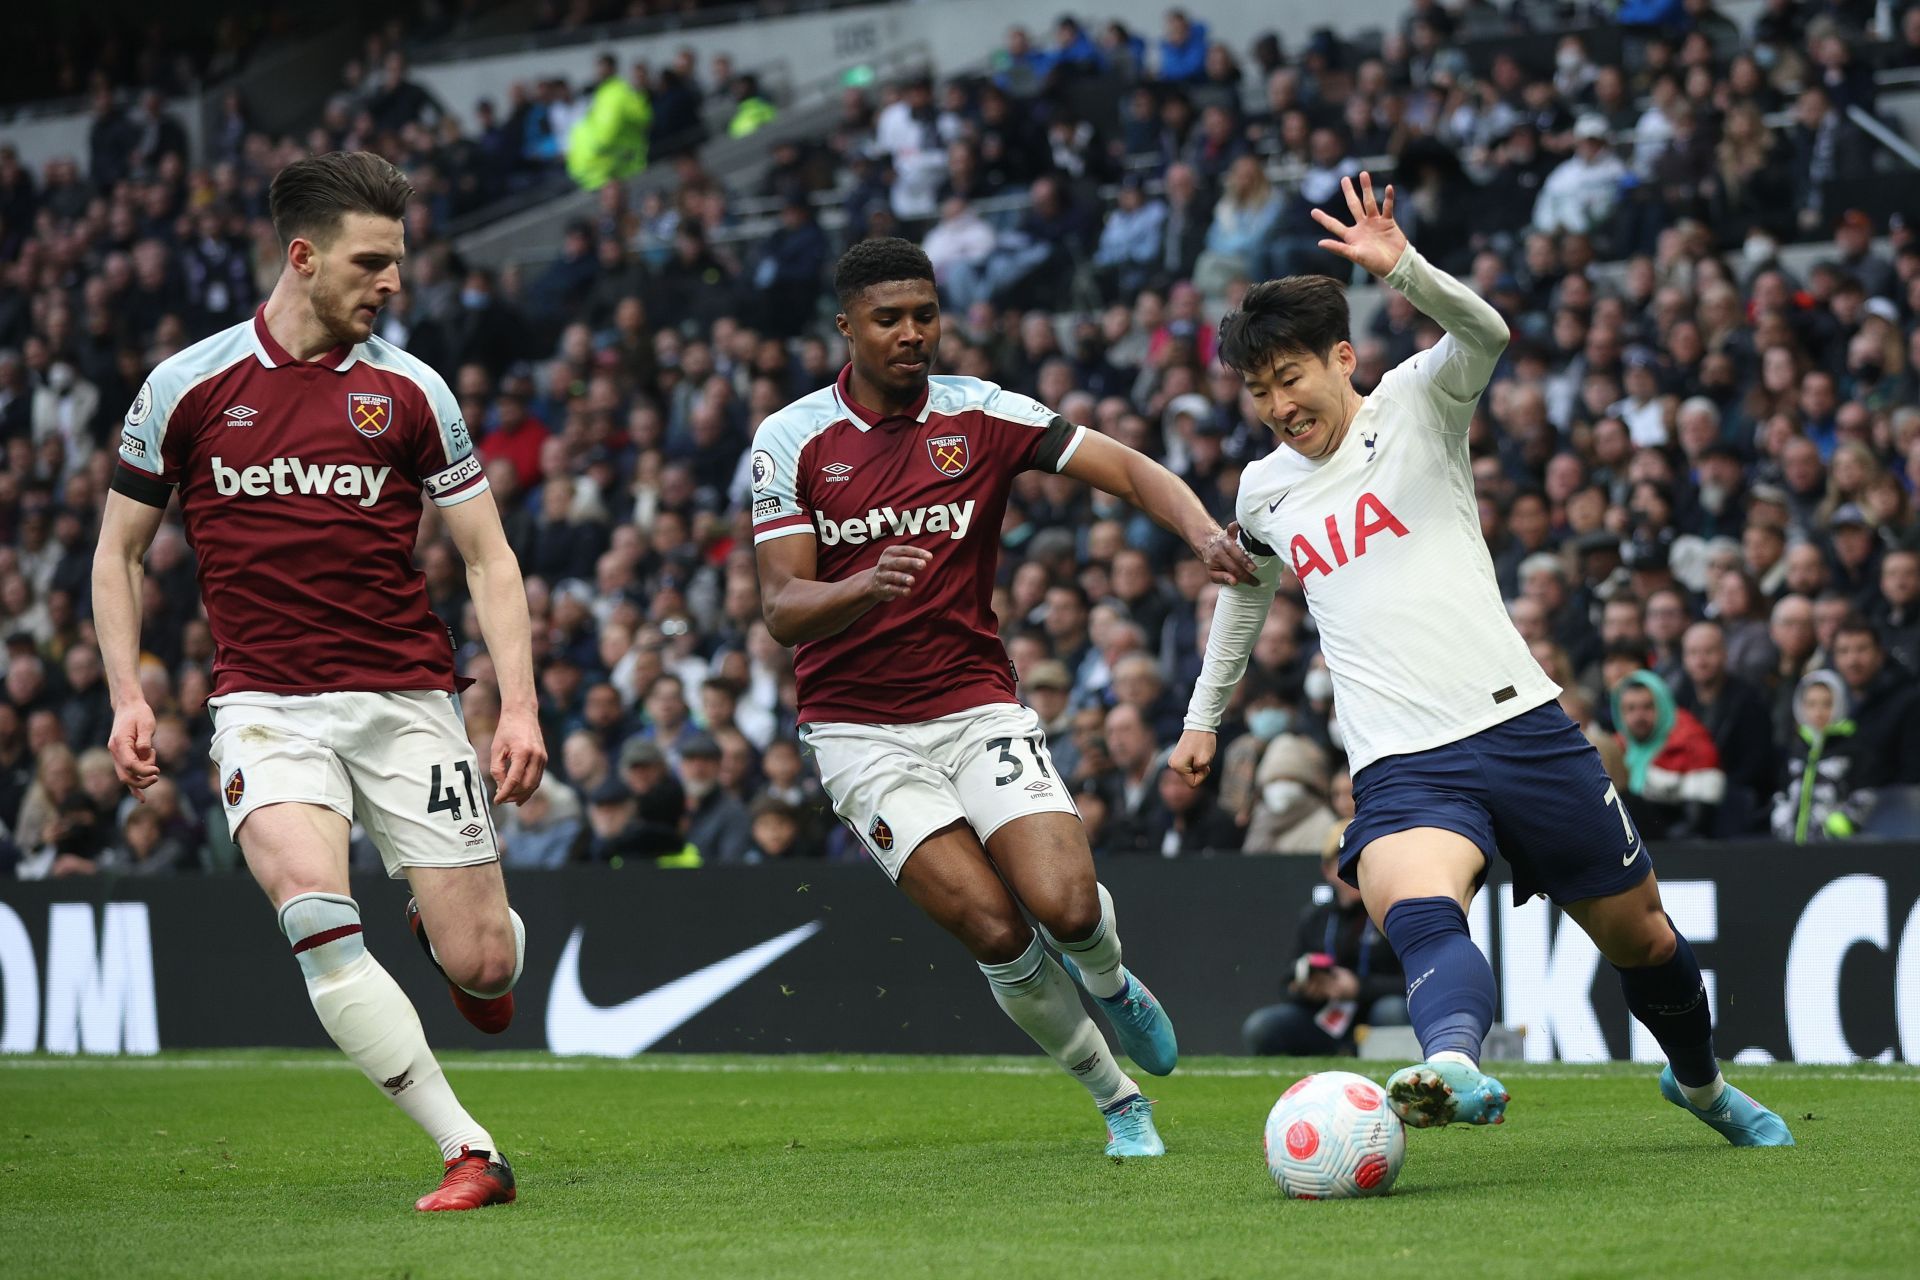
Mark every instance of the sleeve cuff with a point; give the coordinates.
(141, 487)
(455, 499)
(784, 531)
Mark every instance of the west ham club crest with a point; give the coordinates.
(948, 454)
(370, 414)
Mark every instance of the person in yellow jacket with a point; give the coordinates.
(610, 142)
(750, 110)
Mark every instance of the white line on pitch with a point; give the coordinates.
(775, 1066)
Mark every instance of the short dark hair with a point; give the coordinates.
(879, 260)
(1527, 493)
(1292, 315)
(309, 197)
(1075, 590)
(1855, 624)
(1626, 651)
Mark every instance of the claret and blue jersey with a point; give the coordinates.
(300, 483)
(935, 477)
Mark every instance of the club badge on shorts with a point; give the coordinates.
(948, 454)
(236, 789)
(881, 834)
(370, 415)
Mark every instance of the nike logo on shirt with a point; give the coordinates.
(1275, 504)
(575, 1025)
(1631, 855)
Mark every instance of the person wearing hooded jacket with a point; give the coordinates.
(1674, 780)
(1291, 813)
(1820, 798)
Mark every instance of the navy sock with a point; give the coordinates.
(1449, 982)
(1671, 1001)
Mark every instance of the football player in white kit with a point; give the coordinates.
(1457, 744)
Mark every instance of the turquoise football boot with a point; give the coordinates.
(1736, 1117)
(1144, 1029)
(1431, 1095)
(1130, 1130)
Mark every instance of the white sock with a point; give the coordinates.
(1042, 1001)
(1098, 954)
(372, 1021)
(1455, 1056)
(1705, 1096)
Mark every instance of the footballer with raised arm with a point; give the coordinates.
(1457, 745)
(300, 445)
(877, 507)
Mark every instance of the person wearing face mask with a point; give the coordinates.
(1867, 380)
(1291, 813)
(1268, 714)
(1344, 973)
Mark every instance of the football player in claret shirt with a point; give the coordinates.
(300, 445)
(877, 508)
(1456, 742)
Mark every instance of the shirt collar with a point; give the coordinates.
(866, 419)
(271, 354)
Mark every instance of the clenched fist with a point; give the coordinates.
(1192, 756)
(899, 568)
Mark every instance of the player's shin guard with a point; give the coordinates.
(1098, 954)
(371, 1019)
(1449, 982)
(1042, 1001)
(1671, 1001)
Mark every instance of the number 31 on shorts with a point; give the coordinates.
(1005, 747)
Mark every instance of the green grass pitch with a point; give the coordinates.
(289, 1164)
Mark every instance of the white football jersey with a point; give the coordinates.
(1384, 537)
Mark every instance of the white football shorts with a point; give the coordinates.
(399, 762)
(897, 784)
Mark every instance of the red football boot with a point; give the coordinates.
(474, 1180)
(491, 1016)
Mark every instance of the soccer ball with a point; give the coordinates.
(1332, 1136)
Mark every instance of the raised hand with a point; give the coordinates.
(1375, 240)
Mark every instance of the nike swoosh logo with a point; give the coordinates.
(1631, 855)
(1275, 504)
(575, 1025)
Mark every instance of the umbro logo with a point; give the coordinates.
(836, 472)
(397, 1085)
(239, 415)
(1039, 787)
(471, 830)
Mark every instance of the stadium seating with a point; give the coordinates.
(1711, 409)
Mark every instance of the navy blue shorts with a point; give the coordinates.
(1531, 789)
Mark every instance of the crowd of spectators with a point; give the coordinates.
(1696, 467)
